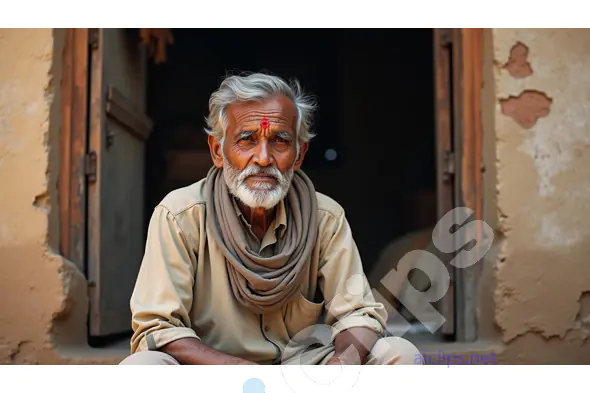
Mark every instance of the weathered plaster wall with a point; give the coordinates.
(542, 148)
(42, 297)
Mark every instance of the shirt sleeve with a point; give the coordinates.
(348, 297)
(163, 293)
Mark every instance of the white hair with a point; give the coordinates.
(258, 87)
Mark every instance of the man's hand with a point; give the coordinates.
(192, 351)
(344, 360)
(352, 346)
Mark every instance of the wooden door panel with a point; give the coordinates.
(73, 142)
(118, 132)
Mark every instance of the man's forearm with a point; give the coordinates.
(353, 341)
(193, 351)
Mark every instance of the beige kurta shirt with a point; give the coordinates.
(182, 289)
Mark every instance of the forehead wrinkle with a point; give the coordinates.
(257, 119)
(257, 115)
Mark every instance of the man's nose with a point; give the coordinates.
(263, 156)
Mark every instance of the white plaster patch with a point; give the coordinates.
(555, 141)
(552, 234)
(551, 144)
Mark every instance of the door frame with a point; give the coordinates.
(74, 167)
(461, 157)
(458, 65)
(468, 141)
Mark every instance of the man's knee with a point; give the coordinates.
(395, 350)
(144, 358)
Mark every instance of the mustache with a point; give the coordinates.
(255, 169)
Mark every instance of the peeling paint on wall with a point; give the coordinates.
(541, 302)
(518, 65)
(527, 108)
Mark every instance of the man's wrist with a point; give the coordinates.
(244, 362)
(353, 345)
(350, 357)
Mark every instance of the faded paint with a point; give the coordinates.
(541, 269)
(535, 286)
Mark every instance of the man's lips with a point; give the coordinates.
(262, 178)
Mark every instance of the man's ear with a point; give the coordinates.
(215, 150)
(302, 151)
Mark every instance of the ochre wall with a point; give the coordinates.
(42, 297)
(534, 296)
(541, 303)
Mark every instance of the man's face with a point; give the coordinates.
(258, 161)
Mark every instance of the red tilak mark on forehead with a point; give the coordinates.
(264, 124)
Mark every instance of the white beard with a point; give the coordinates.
(262, 194)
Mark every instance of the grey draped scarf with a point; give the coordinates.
(264, 284)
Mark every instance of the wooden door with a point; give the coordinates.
(443, 79)
(118, 129)
(458, 55)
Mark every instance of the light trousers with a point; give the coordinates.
(386, 351)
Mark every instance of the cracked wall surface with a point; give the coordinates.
(543, 192)
(42, 297)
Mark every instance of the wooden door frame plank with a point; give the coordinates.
(96, 145)
(73, 145)
(443, 49)
(469, 161)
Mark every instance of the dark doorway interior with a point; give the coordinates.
(375, 90)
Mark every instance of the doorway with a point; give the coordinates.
(374, 152)
(380, 151)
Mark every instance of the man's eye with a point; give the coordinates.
(278, 139)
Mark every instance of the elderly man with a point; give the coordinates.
(248, 264)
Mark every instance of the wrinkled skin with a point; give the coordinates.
(247, 143)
